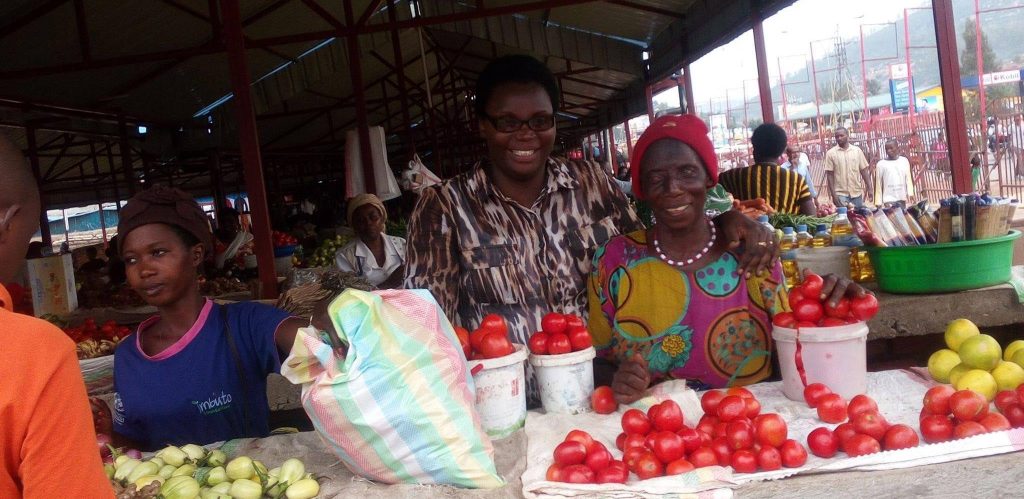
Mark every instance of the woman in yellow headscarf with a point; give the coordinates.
(373, 255)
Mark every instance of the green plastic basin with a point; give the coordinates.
(944, 267)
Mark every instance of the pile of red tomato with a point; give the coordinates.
(282, 239)
(581, 459)
(810, 311)
(89, 330)
(949, 414)
(489, 341)
(864, 430)
(559, 334)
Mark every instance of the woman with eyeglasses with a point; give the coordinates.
(515, 234)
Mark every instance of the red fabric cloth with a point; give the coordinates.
(685, 128)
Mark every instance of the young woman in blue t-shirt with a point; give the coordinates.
(196, 372)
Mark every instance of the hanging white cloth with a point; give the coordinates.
(418, 176)
(384, 180)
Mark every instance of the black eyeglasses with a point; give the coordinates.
(508, 124)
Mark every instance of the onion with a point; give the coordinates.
(133, 453)
(103, 441)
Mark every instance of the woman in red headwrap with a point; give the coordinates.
(197, 371)
(670, 302)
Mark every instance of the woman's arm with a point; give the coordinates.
(284, 337)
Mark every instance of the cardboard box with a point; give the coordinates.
(53, 285)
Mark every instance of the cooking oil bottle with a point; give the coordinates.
(821, 238)
(788, 246)
(803, 238)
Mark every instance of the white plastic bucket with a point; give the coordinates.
(501, 392)
(835, 356)
(827, 260)
(565, 380)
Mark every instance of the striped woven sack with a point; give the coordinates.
(397, 406)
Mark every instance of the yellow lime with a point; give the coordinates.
(941, 363)
(978, 381)
(1008, 375)
(956, 372)
(1012, 348)
(1018, 358)
(958, 331)
(980, 352)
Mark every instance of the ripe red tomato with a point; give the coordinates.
(632, 455)
(668, 418)
(1003, 399)
(808, 310)
(720, 446)
(831, 322)
(573, 321)
(784, 319)
(703, 456)
(936, 399)
(578, 473)
(463, 335)
(967, 405)
(822, 442)
(870, 423)
(831, 408)
(691, 438)
(635, 422)
(861, 444)
(649, 440)
(860, 403)
(709, 401)
(570, 452)
(538, 343)
(581, 437)
(603, 400)
(994, 421)
(753, 407)
(811, 286)
(668, 446)
(840, 311)
(616, 472)
(706, 425)
(1015, 415)
(648, 466)
(553, 323)
(793, 454)
(579, 339)
(634, 440)
(731, 407)
(739, 434)
(494, 345)
(558, 344)
(743, 461)
(865, 307)
(740, 391)
(900, 436)
(678, 467)
(771, 429)
(598, 458)
(554, 473)
(813, 393)
(966, 429)
(476, 337)
(494, 322)
(769, 458)
(936, 428)
(620, 440)
(796, 295)
(843, 433)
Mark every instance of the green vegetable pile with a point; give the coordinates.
(780, 220)
(324, 254)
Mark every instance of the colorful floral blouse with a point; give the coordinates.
(710, 325)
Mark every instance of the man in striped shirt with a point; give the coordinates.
(785, 190)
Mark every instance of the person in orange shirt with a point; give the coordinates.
(47, 441)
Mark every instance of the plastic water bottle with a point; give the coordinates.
(788, 247)
(803, 238)
(822, 238)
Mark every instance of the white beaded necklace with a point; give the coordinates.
(689, 261)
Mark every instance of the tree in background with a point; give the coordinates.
(969, 66)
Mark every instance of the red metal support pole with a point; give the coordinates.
(33, 159)
(649, 92)
(764, 86)
(249, 145)
(912, 101)
(979, 55)
(362, 123)
(949, 73)
(782, 91)
(691, 106)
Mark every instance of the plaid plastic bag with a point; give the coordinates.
(397, 406)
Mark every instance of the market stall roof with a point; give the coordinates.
(162, 64)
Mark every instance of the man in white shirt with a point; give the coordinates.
(893, 183)
(797, 161)
(1016, 140)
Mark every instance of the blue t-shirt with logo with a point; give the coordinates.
(191, 392)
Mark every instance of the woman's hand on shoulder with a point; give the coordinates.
(631, 380)
(836, 287)
(760, 250)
